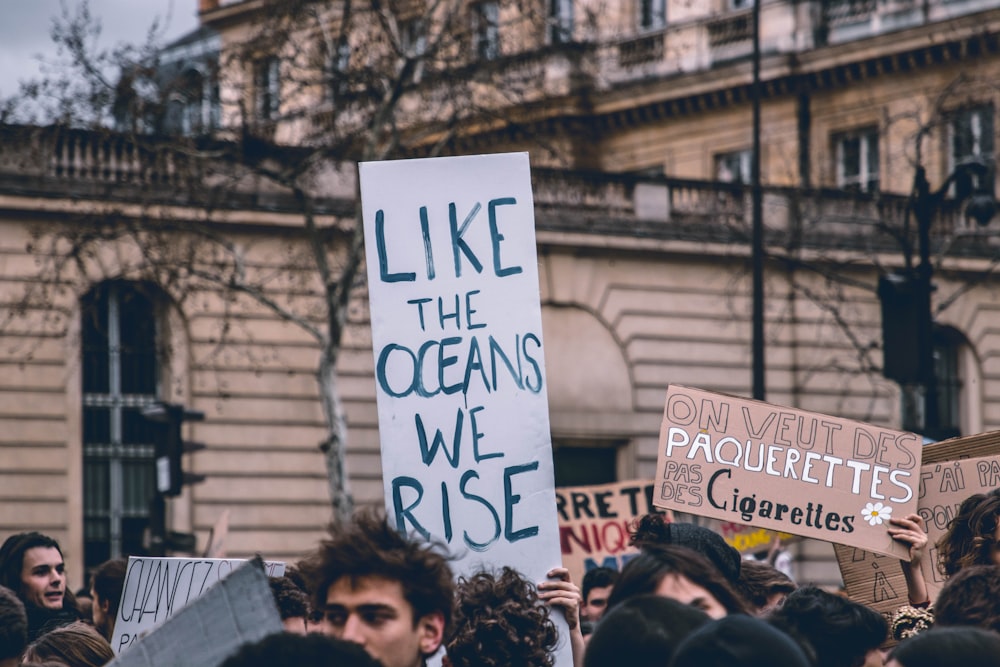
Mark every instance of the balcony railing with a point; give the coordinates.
(75, 163)
(710, 211)
(846, 20)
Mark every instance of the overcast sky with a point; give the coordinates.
(25, 26)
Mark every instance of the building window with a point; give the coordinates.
(733, 167)
(486, 30)
(970, 138)
(735, 5)
(582, 463)
(120, 365)
(948, 345)
(857, 160)
(340, 60)
(560, 21)
(194, 107)
(267, 88)
(652, 14)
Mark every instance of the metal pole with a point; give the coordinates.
(925, 204)
(757, 246)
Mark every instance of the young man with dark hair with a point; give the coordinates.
(833, 630)
(378, 588)
(313, 650)
(31, 565)
(597, 585)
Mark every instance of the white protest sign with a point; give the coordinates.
(457, 336)
(157, 588)
(240, 610)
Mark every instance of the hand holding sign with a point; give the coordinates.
(910, 531)
(560, 591)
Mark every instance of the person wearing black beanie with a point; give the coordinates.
(656, 530)
(741, 640)
(643, 631)
(959, 645)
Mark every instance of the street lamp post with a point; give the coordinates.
(906, 298)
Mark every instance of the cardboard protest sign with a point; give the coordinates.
(785, 469)
(459, 365)
(594, 523)
(875, 580)
(879, 582)
(963, 447)
(240, 610)
(157, 588)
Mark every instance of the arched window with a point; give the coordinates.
(948, 344)
(120, 375)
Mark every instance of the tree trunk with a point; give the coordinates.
(335, 445)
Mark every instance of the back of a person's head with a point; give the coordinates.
(657, 529)
(836, 630)
(960, 646)
(499, 620)
(970, 597)
(312, 650)
(367, 546)
(643, 574)
(12, 556)
(76, 645)
(759, 581)
(739, 640)
(108, 580)
(295, 575)
(598, 577)
(642, 631)
(291, 600)
(13, 625)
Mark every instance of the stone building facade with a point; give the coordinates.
(643, 226)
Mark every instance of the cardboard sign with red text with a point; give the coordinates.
(785, 469)
(594, 523)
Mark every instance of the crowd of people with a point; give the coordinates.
(369, 596)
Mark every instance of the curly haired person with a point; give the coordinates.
(499, 620)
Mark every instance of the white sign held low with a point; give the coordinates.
(157, 588)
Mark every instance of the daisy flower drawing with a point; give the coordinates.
(876, 514)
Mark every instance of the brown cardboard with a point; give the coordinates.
(594, 523)
(785, 469)
(967, 446)
(943, 488)
(872, 579)
(944, 484)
